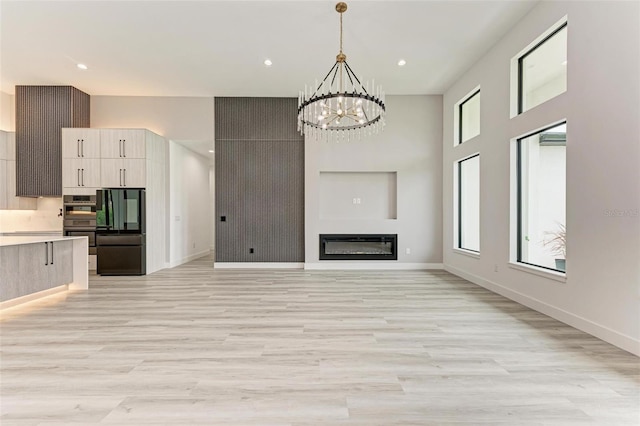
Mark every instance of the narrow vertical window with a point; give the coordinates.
(542, 71)
(469, 118)
(541, 182)
(469, 203)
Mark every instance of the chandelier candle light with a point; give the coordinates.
(340, 107)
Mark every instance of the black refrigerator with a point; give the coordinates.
(120, 232)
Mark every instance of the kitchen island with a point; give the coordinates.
(36, 266)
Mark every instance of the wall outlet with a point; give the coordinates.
(407, 251)
(251, 250)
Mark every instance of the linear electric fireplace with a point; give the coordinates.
(358, 246)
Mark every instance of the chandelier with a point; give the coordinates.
(340, 107)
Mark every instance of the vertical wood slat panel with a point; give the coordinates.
(259, 179)
(41, 111)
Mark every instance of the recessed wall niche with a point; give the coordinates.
(358, 195)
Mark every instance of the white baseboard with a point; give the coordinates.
(372, 266)
(602, 332)
(257, 265)
(189, 258)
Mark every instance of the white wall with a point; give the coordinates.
(7, 112)
(601, 293)
(190, 211)
(175, 118)
(409, 145)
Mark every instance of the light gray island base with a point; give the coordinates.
(33, 267)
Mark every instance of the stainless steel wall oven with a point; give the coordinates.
(80, 218)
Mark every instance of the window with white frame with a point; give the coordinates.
(469, 203)
(542, 70)
(541, 198)
(469, 117)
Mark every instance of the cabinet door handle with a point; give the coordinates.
(120, 147)
(78, 147)
(46, 253)
(82, 177)
(124, 173)
(120, 177)
(124, 147)
(79, 177)
(51, 263)
(82, 147)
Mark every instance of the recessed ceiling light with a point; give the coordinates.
(564, 62)
(82, 66)
(268, 62)
(211, 151)
(402, 63)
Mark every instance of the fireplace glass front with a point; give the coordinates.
(358, 247)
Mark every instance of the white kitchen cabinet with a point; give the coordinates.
(3, 184)
(4, 142)
(129, 158)
(81, 174)
(80, 143)
(8, 199)
(122, 143)
(123, 173)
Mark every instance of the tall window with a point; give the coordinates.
(542, 71)
(469, 203)
(541, 177)
(469, 117)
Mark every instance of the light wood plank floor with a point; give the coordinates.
(192, 345)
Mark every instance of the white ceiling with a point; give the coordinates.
(217, 48)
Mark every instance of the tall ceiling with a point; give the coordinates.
(217, 48)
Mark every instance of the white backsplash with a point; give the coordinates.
(45, 218)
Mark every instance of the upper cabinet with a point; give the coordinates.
(121, 161)
(8, 199)
(122, 143)
(41, 112)
(80, 143)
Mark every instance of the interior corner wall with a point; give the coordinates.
(410, 146)
(259, 181)
(601, 294)
(7, 112)
(190, 212)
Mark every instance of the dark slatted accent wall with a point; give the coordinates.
(259, 180)
(80, 108)
(41, 111)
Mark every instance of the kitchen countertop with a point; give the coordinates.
(31, 239)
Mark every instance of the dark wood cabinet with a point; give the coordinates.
(41, 113)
